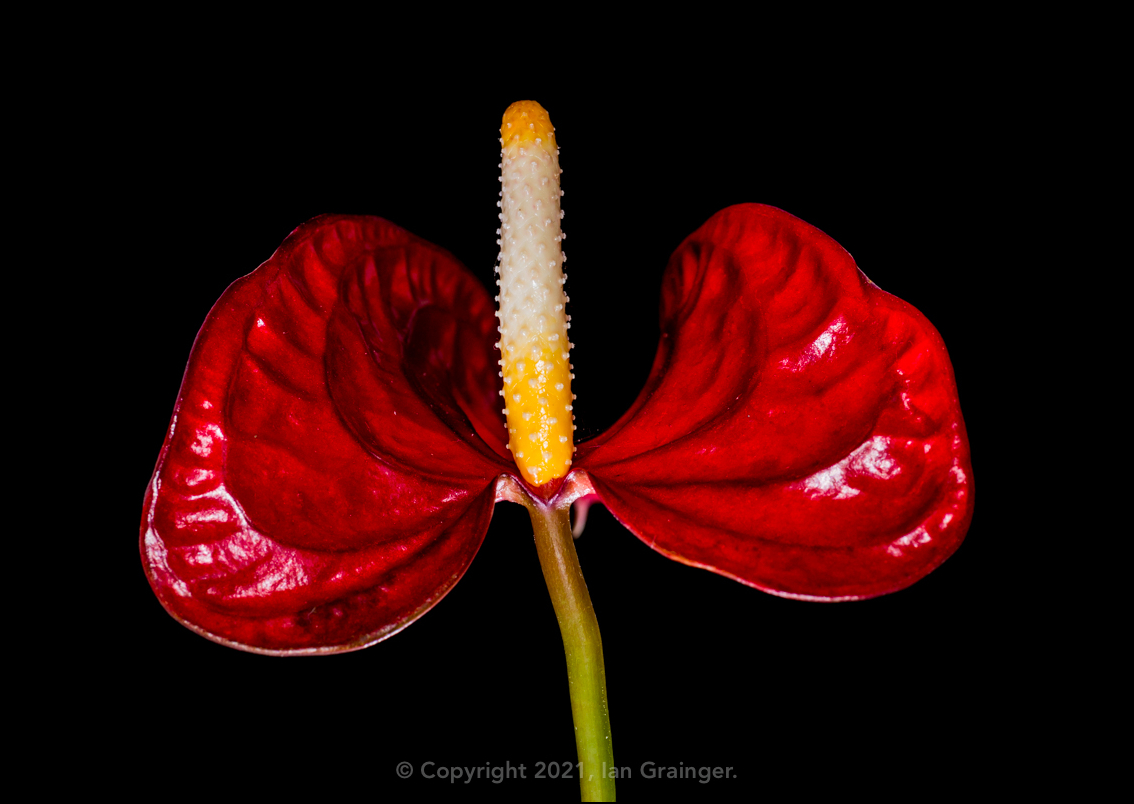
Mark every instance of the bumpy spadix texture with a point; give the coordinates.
(336, 447)
(534, 347)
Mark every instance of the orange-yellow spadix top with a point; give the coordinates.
(535, 352)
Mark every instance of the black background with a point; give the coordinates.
(906, 171)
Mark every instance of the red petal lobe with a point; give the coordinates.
(800, 431)
(323, 482)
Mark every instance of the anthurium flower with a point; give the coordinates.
(354, 408)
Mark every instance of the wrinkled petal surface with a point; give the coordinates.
(800, 430)
(329, 471)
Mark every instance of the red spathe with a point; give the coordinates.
(334, 454)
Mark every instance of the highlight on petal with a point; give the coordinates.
(329, 471)
(800, 430)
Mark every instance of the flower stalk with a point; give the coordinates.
(536, 373)
(582, 643)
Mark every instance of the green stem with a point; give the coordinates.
(583, 645)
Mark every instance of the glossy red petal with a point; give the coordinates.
(800, 430)
(323, 482)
